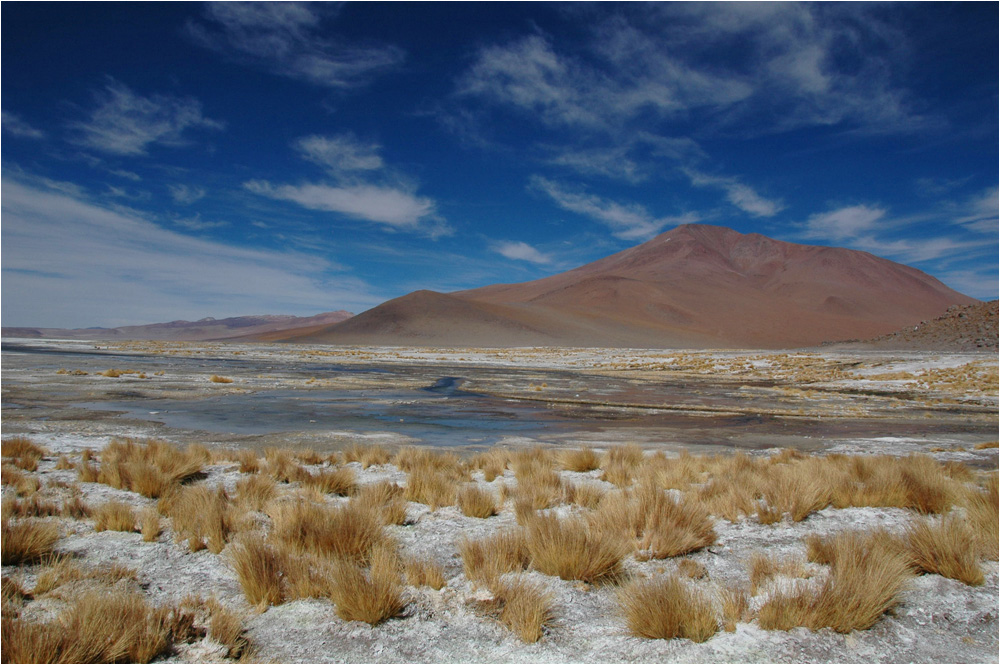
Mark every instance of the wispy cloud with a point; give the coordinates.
(125, 123)
(186, 194)
(739, 194)
(196, 223)
(394, 207)
(69, 262)
(629, 221)
(362, 187)
(844, 223)
(979, 213)
(521, 251)
(341, 154)
(14, 125)
(288, 39)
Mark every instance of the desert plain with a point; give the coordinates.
(763, 463)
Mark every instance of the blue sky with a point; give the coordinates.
(182, 160)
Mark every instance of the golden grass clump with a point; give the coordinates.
(484, 560)
(258, 569)
(982, 508)
(868, 573)
(762, 568)
(946, 547)
(667, 608)
(531, 460)
(152, 468)
(33, 506)
(87, 472)
(584, 494)
(201, 515)
(538, 484)
(226, 628)
(283, 467)
(735, 604)
(673, 473)
(371, 596)
(580, 460)
(476, 502)
(149, 524)
(215, 378)
(523, 606)
(23, 452)
(254, 491)
(27, 540)
(492, 462)
(692, 569)
(114, 516)
(62, 569)
(345, 532)
(384, 499)
(621, 464)
(247, 459)
(367, 455)
(424, 572)
(573, 551)
(986, 445)
(342, 481)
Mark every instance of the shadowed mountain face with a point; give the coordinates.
(695, 286)
(203, 330)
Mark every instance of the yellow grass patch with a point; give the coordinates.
(476, 502)
(667, 608)
(523, 606)
(486, 559)
(570, 549)
(114, 516)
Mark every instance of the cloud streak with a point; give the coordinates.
(287, 39)
(125, 123)
(629, 221)
(68, 262)
(740, 195)
(521, 251)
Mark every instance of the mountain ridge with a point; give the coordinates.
(694, 286)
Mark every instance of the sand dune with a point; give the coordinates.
(694, 286)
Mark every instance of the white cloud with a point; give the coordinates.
(740, 195)
(629, 221)
(844, 223)
(13, 124)
(128, 175)
(125, 123)
(341, 154)
(185, 194)
(979, 213)
(68, 262)
(385, 205)
(521, 251)
(287, 38)
(196, 223)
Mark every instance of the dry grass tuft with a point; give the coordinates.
(33, 506)
(868, 573)
(424, 572)
(253, 492)
(621, 464)
(762, 568)
(114, 516)
(149, 524)
(215, 378)
(580, 460)
(538, 485)
(201, 515)
(342, 481)
(484, 560)
(27, 541)
(384, 499)
(87, 472)
(366, 455)
(946, 547)
(492, 462)
(345, 532)
(152, 468)
(692, 569)
(23, 451)
(735, 604)
(371, 596)
(982, 508)
(258, 569)
(573, 551)
(247, 459)
(987, 445)
(586, 495)
(63, 569)
(523, 606)
(476, 502)
(283, 467)
(667, 608)
(226, 628)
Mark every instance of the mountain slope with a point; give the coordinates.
(694, 286)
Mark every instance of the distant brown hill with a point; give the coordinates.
(694, 286)
(202, 330)
(960, 328)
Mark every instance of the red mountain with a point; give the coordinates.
(696, 286)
